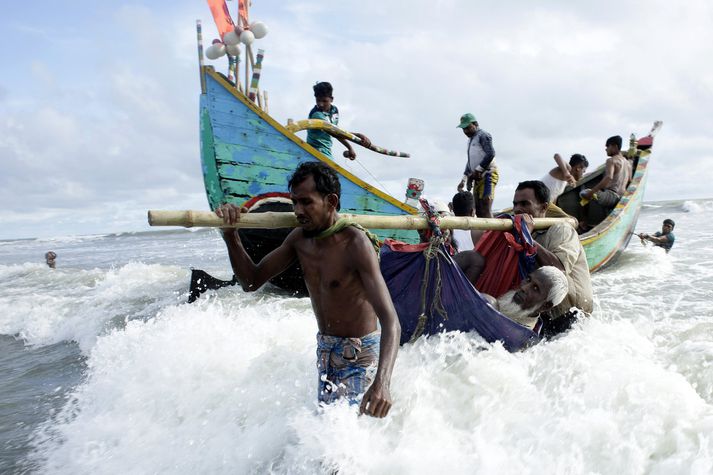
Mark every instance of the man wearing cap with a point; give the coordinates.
(480, 170)
(664, 238)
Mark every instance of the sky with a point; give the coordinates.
(99, 100)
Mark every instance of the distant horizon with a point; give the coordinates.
(174, 229)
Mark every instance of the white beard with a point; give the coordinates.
(508, 307)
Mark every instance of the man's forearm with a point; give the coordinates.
(390, 336)
(243, 266)
(602, 184)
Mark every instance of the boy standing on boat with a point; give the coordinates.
(325, 110)
(480, 170)
(347, 290)
(664, 238)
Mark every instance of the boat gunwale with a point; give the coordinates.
(626, 205)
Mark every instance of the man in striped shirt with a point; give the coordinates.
(480, 171)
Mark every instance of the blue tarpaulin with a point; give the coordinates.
(432, 295)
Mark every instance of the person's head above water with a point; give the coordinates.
(668, 225)
(543, 289)
(50, 257)
(315, 192)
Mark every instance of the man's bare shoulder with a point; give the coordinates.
(359, 245)
(357, 238)
(295, 237)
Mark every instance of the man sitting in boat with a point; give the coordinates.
(542, 290)
(347, 290)
(606, 193)
(325, 110)
(557, 246)
(665, 238)
(565, 173)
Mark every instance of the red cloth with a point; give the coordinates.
(501, 252)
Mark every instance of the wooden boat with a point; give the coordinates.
(247, 158)
(605, 242)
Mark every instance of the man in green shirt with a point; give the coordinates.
(664, 238)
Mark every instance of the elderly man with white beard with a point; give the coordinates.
(542, 290)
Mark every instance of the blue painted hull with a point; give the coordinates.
(246, 155)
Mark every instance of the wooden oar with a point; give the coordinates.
(271, 220)
(331, 129)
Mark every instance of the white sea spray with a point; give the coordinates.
(228, 384)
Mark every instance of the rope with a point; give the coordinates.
(435, 247)
(343, 223)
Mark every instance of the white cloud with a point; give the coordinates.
(105, 117)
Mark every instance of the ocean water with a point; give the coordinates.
(105, 369)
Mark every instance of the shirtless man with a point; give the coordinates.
(348, 292)
(617, 174)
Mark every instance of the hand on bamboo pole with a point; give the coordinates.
(272, 220)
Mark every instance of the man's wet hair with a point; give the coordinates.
(615, 140)
(463, 203)
(542, 193)
(669, 222)
(322, 89)
(326, 180)
(578, 158)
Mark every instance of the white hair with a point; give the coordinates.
(559, 286)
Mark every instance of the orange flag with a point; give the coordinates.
(243, 11)
(221, 16)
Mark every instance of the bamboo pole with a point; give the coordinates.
(272, 220)
(248, 64)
